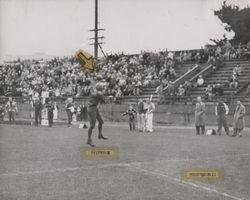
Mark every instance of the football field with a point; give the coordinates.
(40, 163)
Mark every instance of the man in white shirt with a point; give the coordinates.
(149, 115)
(11, 109)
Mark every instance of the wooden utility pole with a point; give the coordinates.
(96, 31)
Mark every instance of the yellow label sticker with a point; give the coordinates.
(92, 153)
(202, 174)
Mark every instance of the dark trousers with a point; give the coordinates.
(222, 121)
(198, 128)
(69, 114)
(237, 131)
(50, 118)
(131, 124)
(11, 116)
(94, 115)
(38, 117)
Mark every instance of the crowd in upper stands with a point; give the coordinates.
(123, 75)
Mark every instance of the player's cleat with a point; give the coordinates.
(89, 142)
(100, 136)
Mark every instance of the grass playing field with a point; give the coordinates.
(45, 164)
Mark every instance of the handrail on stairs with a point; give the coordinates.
(185, 77)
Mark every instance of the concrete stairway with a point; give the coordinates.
(221, 75)
(147, 91)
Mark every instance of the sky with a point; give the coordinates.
(60, 27)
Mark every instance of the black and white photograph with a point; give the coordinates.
(124, 99)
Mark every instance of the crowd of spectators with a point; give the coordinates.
(123, 75)
(214, 90)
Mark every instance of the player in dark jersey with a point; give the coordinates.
(96, 97)
(131, 113)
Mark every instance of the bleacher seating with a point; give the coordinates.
(221, 75)
(180, 69)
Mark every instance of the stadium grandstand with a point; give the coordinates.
(166, 75)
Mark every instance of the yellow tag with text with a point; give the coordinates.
(94, 153)
(202, 174)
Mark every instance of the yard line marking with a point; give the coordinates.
(114, 165)
(66, 169)
(192, 159)
(185, 183)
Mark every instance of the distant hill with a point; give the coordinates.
(35, 56)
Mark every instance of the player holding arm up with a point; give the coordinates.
(131, 113)
(96, 97)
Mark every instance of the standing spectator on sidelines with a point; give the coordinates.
(1, 113)
(200, 116)
(38, 110)
(221, 111)
(131, 113)
(187, 111)
(50, 108)
(55, 111)
(239, 121)
(70, 110)
(141, 116)
(11, 109)
(149, 115)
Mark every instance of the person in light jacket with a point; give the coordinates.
(141, 116)
(239, 121)
(11, 109)
(200, 116)
(149, 115)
